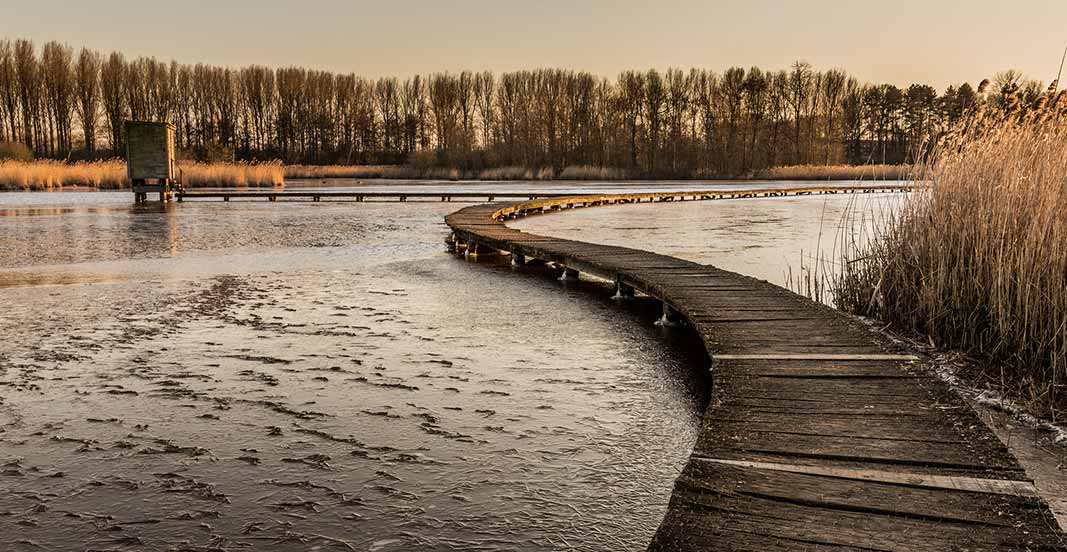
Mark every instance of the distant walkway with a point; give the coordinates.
(819, 435)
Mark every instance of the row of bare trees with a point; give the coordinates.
(673, 124)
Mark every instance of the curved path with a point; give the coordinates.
(819, 434)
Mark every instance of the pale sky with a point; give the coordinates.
(936, 42)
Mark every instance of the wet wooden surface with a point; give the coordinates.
(819, 434)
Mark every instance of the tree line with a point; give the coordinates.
(675, 123)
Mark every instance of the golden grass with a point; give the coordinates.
(336, 171)
(515, 173)
(400, 172)
(232, 175)
(403, 172)
(587, 172)
(48, 175)
(837, 172)
(55, 175)
(979, 262)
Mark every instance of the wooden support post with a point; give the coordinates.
(623, 291)
(471, 253)
(569, 275)
(669, 318)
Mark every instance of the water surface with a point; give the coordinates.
(323, 375)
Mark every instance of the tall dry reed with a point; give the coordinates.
(335, 171)
(572, 172)
(55, 175)
(979, 261)
(588, 172)
(48, 175)
(232, 175)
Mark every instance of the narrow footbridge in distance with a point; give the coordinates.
(481, 196)
(820, 434)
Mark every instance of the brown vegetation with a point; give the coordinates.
(650, 124)
(979, 262)
(336, 171)
(323, 172)
(55, 175)
(837, 172)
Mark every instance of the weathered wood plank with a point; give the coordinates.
(968, 484)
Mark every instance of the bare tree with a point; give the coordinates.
(833, 90)
(484, 87)
(756, 91)
(111, 83)
(87, 94)
(444, 105)
(386, 94)
(731, 95)
(26, 74)
(631, 99)
(9, 92)
(465, 105)
(57, 76)
(800, 78)
(413, 100)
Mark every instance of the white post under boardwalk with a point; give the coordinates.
(623, 292)
(569, 275)
(518, 259)
(669, 318)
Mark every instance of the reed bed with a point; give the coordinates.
(589, 172)
(837, 172)
(405, 172)
(55, 175)
(233, 175)
(46, 175)
(979, 261)
(516, 173)
(369, 172)
(336, 171)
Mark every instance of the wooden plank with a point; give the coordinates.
(969, 484)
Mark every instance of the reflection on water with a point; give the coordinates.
(293, 375)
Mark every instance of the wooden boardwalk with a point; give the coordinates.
(356, 195)
(819, 434)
